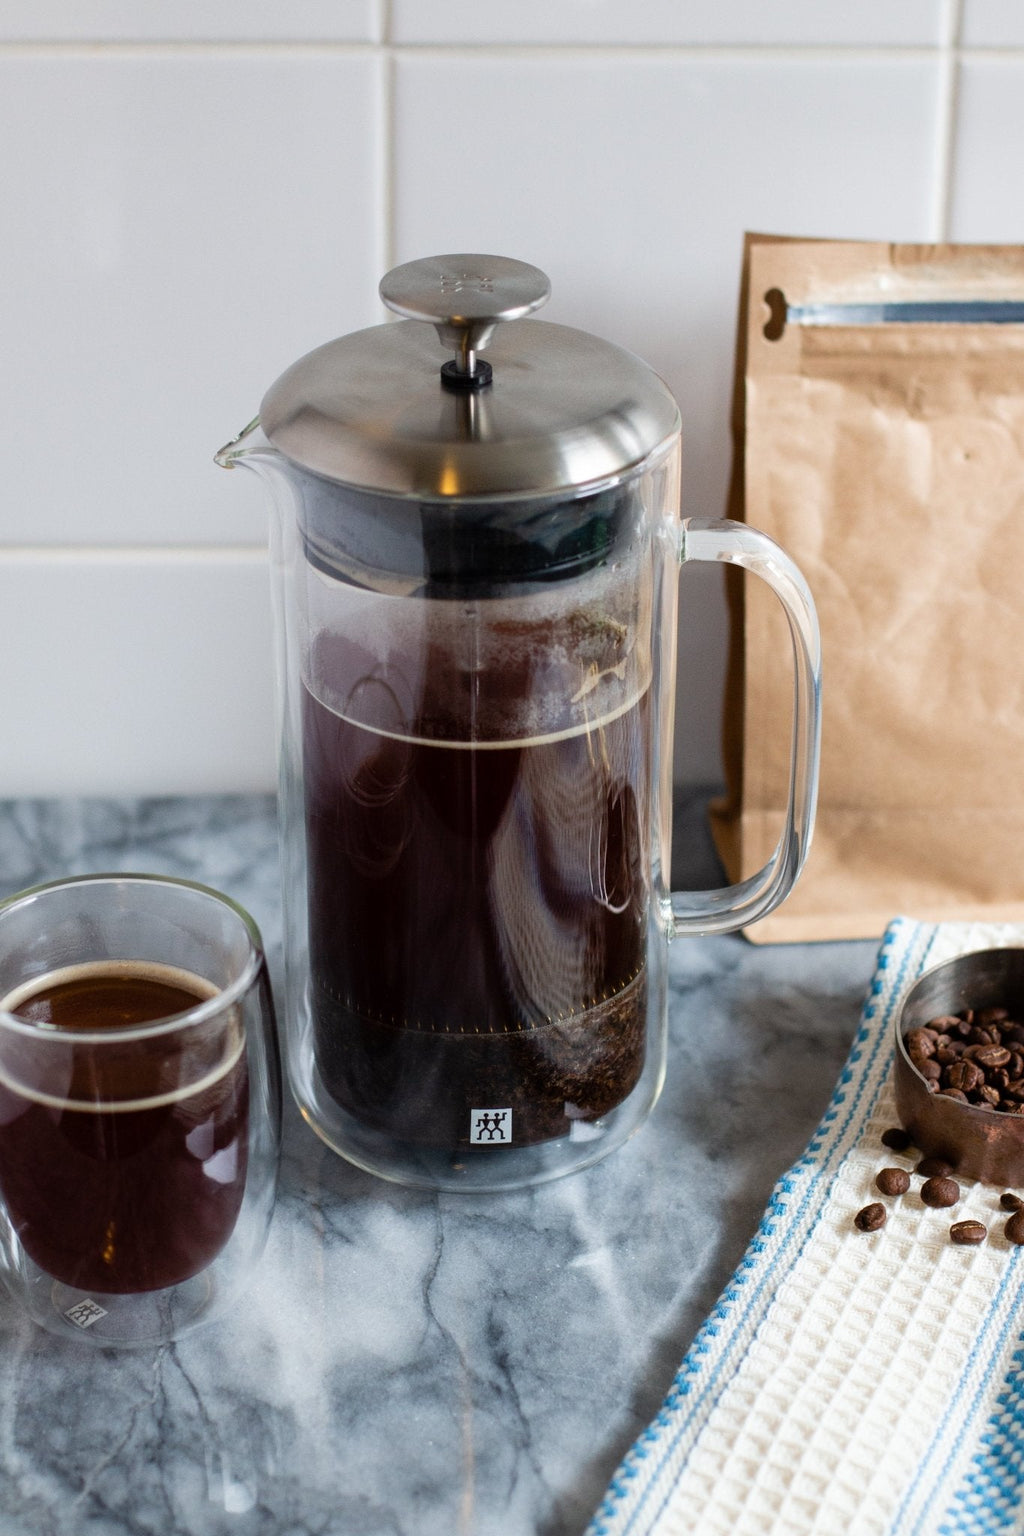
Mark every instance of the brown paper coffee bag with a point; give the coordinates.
(879, 438)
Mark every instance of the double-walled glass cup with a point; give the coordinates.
(140, 1105)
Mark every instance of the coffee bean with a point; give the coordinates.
(896, 1139)
(1011, 1202)
(992, 1056)
(893, 1181)
(870, 1218)
(953, 1093)
(930, 1068)
(1014, 1229)
(989, 1016)
(965, 1075)
(969, 1232)
(921, 1042)
(933, 1168)
(940, 1192)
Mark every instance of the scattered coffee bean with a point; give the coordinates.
(870, 1218)
(896, 1139)
(933, 1168)
(1011, 1202)
(969, 1232)
(893, 1181)
(1014, 1229)
(940, 1192)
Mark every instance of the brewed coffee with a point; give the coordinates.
(478, 918)
(125, 1172)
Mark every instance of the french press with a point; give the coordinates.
(475, 564)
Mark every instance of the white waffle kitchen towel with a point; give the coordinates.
(846, 1382)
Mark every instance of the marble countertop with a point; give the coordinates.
(408, 1364)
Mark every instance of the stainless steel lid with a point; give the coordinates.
(549, 410)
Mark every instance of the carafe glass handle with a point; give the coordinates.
(735, 906)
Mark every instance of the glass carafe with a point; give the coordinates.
(475, 572)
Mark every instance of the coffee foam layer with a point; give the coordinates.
(536, 668)
(145, 970)
(54, 1037)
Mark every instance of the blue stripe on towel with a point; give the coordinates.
(950, 1526)
(989, 1497)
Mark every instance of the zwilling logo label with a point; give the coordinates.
(84, 1313)
(490, 1125)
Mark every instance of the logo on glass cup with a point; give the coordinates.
(488, 1126)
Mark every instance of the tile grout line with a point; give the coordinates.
(945, 146)
(142, 47)
(826, 52)
(814, 52)
(389, 146)
(833, 51)
(132, 554)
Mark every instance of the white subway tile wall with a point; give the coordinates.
(191, 21)
(182, 226)
(987, 182)
(744, 23)
(196, 193)
(993, 24)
